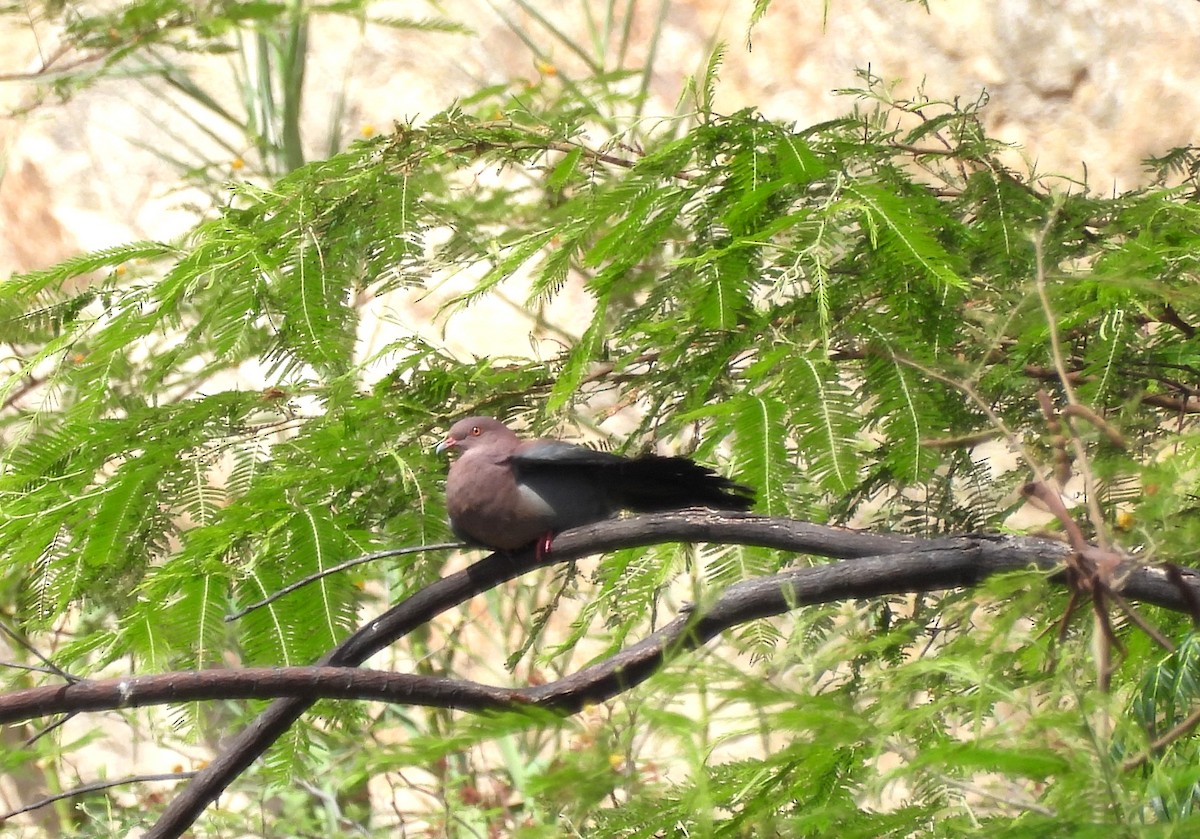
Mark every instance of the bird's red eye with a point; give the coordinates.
(475, 432)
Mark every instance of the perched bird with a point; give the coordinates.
(506, 493)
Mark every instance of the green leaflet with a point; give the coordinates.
(892, 226)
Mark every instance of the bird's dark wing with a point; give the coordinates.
(649, 483)
(553, 454)
(653, 483)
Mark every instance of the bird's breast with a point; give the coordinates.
(489, 504)
(486, 507)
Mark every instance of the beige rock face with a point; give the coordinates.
(1070, 81)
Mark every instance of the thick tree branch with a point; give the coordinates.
(896, 564)
(310, 683)
(448, 592)
(921, 569)
(968, 561)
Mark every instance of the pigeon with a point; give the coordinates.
(506, 493)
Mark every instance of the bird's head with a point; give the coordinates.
(475, 432)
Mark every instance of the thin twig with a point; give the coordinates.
(1060, 366)
(20, 641)
(997, 421)
(1086, 413)
(1105, 640)
(1142, 624)
(962, 440)
(98, 786)
(1186, 404)
(44, 72)
(31, 668)
(29, 384)
(350, 563)
(478, 146)
(48, 729)
(1160, 743)
(1023, 804)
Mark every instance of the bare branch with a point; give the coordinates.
(882, 564)
(1060, 366)
(1185, 404)
(1175, 575)
(1183, 727)
(336, 569)
(1084, 412)
(444, 594)
(927, 567)
(1171, 317)
(252, 683)
(98, 786)
(918, 565)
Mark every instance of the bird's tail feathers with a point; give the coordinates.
(653, 483)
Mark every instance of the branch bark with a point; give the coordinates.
(877, 565)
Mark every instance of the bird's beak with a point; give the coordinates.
(448, 443)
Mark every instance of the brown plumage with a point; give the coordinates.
(505, 493)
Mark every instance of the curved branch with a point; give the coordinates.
(448, 592)
(921, 569)
(882, 564)
(98, 786)
(1186, 403)
(337, 569)
(310, 683)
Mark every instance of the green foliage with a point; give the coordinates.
(193, 425)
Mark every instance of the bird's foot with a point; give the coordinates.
(541, 548)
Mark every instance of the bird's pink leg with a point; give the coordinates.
(541, 549)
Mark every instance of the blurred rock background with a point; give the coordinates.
(1072, 83)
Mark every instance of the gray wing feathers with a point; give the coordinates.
(551, 452)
